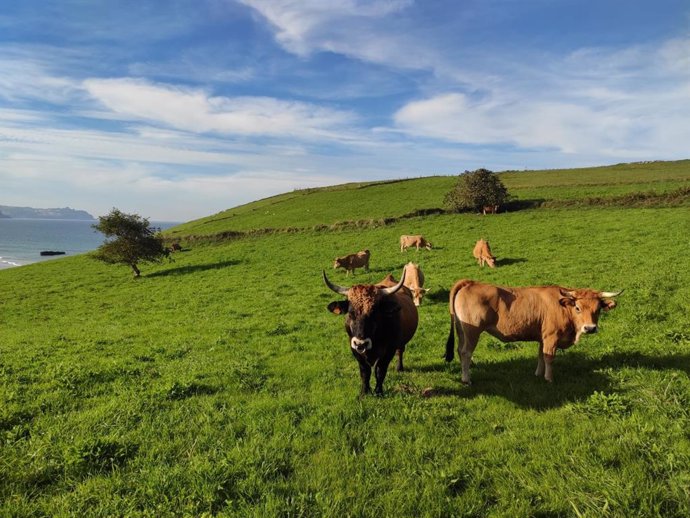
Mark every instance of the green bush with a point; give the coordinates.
(476, 190)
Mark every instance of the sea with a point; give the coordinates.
(22, 240)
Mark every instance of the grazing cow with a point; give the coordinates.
(176, 247)
(417, 241)
(489, 209)
(482, 253)
(554, 317)
(414, 281)
(380, 321)
(352, 261)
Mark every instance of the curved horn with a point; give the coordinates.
(393, 289)
(334, 287)
(610, 294)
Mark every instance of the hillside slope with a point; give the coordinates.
(220, 385)
(392, 199)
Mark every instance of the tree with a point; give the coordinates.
(476, 190)
(132, 240)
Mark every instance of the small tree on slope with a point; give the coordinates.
(475, 190)
(132, 241)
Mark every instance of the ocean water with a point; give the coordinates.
(22, 240)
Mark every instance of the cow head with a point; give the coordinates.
(418, 295)
(427, 244)
(338, 263)
(491, 261)
(584, 307)
(366, 306)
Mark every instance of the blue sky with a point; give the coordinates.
(178, 109)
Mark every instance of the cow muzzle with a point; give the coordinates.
(589, 329)
(360, 345)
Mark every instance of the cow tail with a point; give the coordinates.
(450, 343)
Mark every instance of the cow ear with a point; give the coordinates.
(566, 301)
(338, 307)
(608, 304)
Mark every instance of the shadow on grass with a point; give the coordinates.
(183, 270)
(506, 261)
(576, 377)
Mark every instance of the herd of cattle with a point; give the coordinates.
(382, 318)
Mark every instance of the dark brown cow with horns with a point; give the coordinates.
(554, 317)
(380, 321)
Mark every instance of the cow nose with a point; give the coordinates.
(590, 329)
(360, 344)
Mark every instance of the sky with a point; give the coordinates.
(178, 109)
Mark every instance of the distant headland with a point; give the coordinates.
(7, 211)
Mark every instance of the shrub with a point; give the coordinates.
(476, 190)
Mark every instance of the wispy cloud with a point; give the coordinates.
(194, 110)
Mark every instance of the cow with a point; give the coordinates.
(489, 209)
(176, 247)
(482, 253)
(418, 241)
(380, 320)
(352, 261)
(553, 316)
(414, 281)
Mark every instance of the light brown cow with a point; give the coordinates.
(553, 316)
(414, 280)
(489, 209)
(417, 241)
(482, 253)
(352, 261)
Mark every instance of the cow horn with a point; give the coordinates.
(393, 289)
(334, 287)
(610, 294)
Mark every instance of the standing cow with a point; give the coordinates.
(417, 241)
(414, 281)
(482, 253)
(352, 261)
(380, 320)
(554, 317)
(489, 209)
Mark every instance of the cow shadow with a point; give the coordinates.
(193, 268)
(577, 377)
(506, 261)
(437, 295)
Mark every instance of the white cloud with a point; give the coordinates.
(300, 23)
(194, 110)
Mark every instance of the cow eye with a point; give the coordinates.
(577, 309)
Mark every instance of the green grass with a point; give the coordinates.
(372, 201)
(220, 385)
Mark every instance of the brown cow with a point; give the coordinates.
(414, 281)
(418, 241)
(482, 253)
(554, 317)
(176, 247)
(489, 209)
(380, 321)
(352, 261)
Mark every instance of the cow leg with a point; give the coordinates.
(380, 371)
(470, 339)
(540, 361)
(365, 374)
(399, 366)
(549, 356)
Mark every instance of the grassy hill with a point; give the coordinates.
(219, 385)
(391, 199)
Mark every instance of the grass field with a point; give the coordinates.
(219, 384)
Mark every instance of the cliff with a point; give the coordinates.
(31, 213)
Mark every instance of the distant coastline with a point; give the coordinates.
(8, 211)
